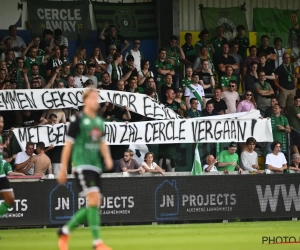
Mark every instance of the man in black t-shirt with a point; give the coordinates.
(286, 82)
(33, 118)
(207, 77)
(269, 71)
(113, 38)
(219, 104)
(170, 103)
(224, 60)
(264, 48)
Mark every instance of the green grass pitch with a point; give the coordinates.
(231, 236)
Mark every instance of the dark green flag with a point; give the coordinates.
(229, 18)
(71, 17)
(131, 19)
(276, 23)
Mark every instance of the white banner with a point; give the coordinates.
(34, 99)
(161, 131)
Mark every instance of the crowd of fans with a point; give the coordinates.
(212, 77)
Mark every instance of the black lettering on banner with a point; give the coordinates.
(162, 131)
(194, 129)
(147, 133)
(79, 97)
(13, 98)
(45, 101)
(226, 130)
(181, 130)
(50, 131)
(233, 130)
(31, 101)
(110, 133)
(75, 101)
(155, 131)
(21, 101)
(137, 132)
(124, 134)
(60, 134)
(30, 136)
(37, 132)
(22, 134)
(147, 106)
(253, 126)
(2, 106)
(217, 132)
(131, 133)
(240, 131)
(208, 127)
(5, 99)
(132, 99)
(61, 96)
(200, 130)
(54, 99)
(156, 106)
(174, 137)
(167, 130)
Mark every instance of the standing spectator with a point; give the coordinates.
(150, 166)
(249, 159)
(263, 93)
(8, 42)
(129, 67)
(193, 111)
(276, 160)
(171, 103)
(128, 164)
(66, 66)
(36, 44)
(59, 39)
(18, 42)
(201, 56)
(207, 77)
(136, 53)
(269, 71)
(280, 126)
(269, 110)
(54, 61)
(91, 74)
(151, 85)
(80, 78)
(99, 61)
(80, 56)
(188, 49)
(239, 60)
(168, 85)
(294, 31)
(295, 53)
(109, 57)
(286, 82)
(269, 51)
(178, 98)
(225, 79)
(247, 104)
(251, 78)
(210, 165)
(295, 164)
(144, 73)
(279, 51)
(10, 60)
(113, 38)
(228, 159)
(209, 109)
(231, 97)
(204, 41)
(293, 117)
(47, 43)
(2, 77)
(174, 54)
(23, 158)
(187, 80)
(64, 54)
(55, 116)
(195, 90)
(18, 74)
(218, 41)
(163, 67)
(115, 69)
(242, 41)
(224, 59)
(251, 58)
(219, 104)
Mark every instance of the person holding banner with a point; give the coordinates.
(84, 139)
(195, 90)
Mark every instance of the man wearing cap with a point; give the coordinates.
(136, 53)
(228, 159)
(195, 90)
(130, 67)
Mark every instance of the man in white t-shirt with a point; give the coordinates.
(249, 160)
(23, 158)
(137, 54)
(210, 164)
(79, 78)
(276, 160)
(195, 90)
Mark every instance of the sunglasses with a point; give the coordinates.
(248, 94)
(137, 43)
(231, 86)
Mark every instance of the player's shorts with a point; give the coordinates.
(5, 185)
(88, 181)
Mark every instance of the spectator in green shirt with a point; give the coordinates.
(203, 36)
(218, 41)
(193, 112)
(229, 159)
(242, 41)
(224, 80)
(187, 80)
(293, 117)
